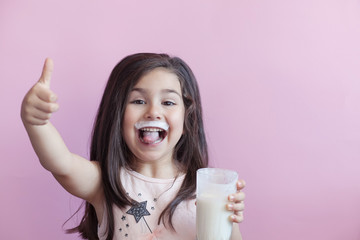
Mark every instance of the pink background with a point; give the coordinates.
(280, 83)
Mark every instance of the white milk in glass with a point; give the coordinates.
(213, 187)
(211, 221)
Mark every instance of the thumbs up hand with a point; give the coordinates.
(40, 102)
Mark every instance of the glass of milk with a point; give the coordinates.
(213, 186)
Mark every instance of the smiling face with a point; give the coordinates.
(154, 117)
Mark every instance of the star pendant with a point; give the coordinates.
(138, 211)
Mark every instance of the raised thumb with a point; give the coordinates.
(46, 74)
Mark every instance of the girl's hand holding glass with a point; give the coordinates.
(237, 203)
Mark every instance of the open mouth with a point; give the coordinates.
(150, 135)
(152, 132)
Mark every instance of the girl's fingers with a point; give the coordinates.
(44, 93)
(237, 197)
(36, 117)
(34, 102)
(41, 115)
(235, 207)
(240, 184)
(46, 107)
(41, 98)
(36, 111)
(237, 218)
(237, 203)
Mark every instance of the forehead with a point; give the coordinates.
(159, 78)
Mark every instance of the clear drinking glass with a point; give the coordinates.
(213, 186)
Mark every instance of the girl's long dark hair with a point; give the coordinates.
(109, 148)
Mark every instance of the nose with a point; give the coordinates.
(153, 112)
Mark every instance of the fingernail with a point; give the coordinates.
(52, 98)
(230, 206)
(231, 198)
(243, 183)
(239, 183)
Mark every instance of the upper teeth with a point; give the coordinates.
(152, 124)
(151, 129)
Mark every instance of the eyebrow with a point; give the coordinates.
(166, 90)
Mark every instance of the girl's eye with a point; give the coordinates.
(168, 103)
(138, 101)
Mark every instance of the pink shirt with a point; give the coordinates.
(141, 222)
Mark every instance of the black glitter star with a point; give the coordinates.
(138, 211)
(123, 218)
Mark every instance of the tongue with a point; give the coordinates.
(150, 137)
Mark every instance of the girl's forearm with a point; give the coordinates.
(50, 148)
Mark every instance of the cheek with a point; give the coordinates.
(179, 121)
(127, 126)
(128, 119)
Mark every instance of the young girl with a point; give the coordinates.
(147, 143)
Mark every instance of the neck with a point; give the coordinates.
(159, 170)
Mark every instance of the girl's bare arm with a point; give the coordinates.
(235, 234)
(77, 175)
